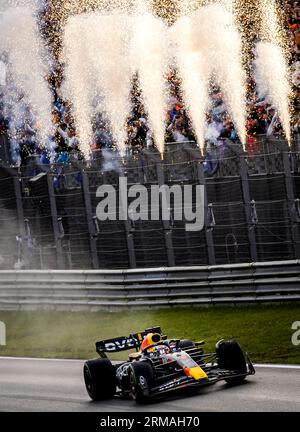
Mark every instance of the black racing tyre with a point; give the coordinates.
(185, 343)
(100, 379)
(230, 356)
(141, 378)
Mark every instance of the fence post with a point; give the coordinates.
(89, 216)
(291, 201)
(17, 186)
(247, 206)
(166, 224)
(208, 230)
(243, 171)
(128, 231)
(20, 211)
(130, 244)
(195, 153)
(56, 231)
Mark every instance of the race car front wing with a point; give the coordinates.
(213, 372)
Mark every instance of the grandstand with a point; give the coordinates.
(48, 201)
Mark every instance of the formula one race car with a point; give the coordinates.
(160, 366)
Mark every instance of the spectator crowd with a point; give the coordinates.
(20, 125)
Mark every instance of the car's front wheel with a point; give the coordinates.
(100, 379)
(141, 379)
(231, 357)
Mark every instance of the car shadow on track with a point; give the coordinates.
(207, 390)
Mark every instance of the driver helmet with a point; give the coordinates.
(150, 339)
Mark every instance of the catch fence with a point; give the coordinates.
(252, 209)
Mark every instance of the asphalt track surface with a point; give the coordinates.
(57, 385)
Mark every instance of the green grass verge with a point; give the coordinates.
(263, 330)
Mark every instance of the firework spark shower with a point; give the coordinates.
(205, 41)
(194, 74)
(78, 82)
(111, 50)
(272, 75)
(141, 44)
(20, 39)
(108, 53)
(149, 57)
(103, 50)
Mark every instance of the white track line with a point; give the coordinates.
(41, 359)
(260, 365)
(276, 366)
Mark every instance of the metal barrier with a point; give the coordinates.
(148, 288)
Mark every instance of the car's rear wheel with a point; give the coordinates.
(231, 357)
(141, 379)
(100, 379)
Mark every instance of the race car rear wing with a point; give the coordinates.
(124, 343)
